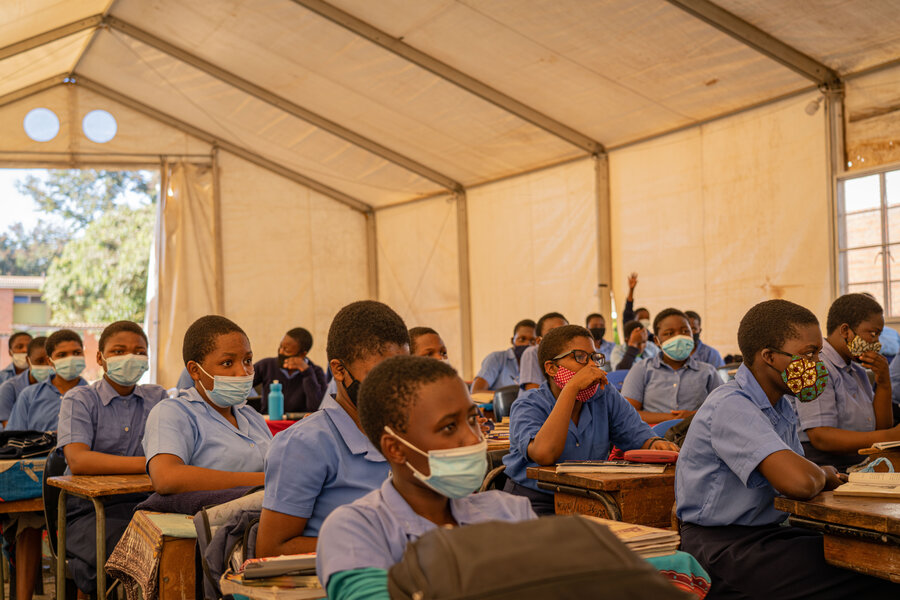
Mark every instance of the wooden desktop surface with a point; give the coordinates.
(94, 486)
(604, 481)
(875, 514)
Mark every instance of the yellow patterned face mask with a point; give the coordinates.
(805, 378)
(859, 346)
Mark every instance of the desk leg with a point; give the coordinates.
(101, 548)
(61, 546)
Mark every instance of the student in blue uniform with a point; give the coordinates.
(39, 369)
(302, 381)
(37, 407)
(638, 347)
(574, 415)
(501, 368)
(850, 415)
(895, 387)
(674, 383)
(702, 352)
(419, 414)
(18, 352)
(425, 341)
(207, 438)
(100, 431)
(325, 460)
(742, 451)
(596, 324)
(531, 373)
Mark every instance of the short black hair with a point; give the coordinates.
(389, 391)
(693, 314)
(588, 318)
(629, 327)
(770, 324)
(852, 309)
(35, 343)
(200, 337)
(417, 332)
(665, 313)
(637, 310)
(539, 329)
(15, 336)
(118, 327)
(58, 337)
(524, 323)
(303, 338)
(554, 343)
(362, 329)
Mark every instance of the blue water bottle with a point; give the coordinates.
(275, 401)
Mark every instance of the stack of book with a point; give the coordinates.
(275, 576)
(608, 466)
(878, 485)
(646, 542)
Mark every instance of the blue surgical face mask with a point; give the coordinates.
(126, 369)
(41, 372)
(678, 347)
(69, 367)
(455, 472)
(228, 391)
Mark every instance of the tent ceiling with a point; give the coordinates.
(609, 71)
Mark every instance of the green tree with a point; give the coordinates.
(101, 275)
(24, 252)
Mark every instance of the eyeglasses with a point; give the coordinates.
(810, 356)
(582, 357)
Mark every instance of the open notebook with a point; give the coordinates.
(878, 485)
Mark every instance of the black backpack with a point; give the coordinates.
(553, 557)
(26, 444)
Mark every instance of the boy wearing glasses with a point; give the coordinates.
(674, 383)
(573, 415)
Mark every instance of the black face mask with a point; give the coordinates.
(519, 351)
(353, 388)
(598, 333)
(696, 338)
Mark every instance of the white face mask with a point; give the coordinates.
(126, 369)
(455, 472)
(20, 360)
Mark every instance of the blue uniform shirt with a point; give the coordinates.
(895, 379)
(7, 372)
(890, 342)
(716, 476)
(606, 349)
(184, 380)
(661, 389)
(9, 392)
(530, 370)
(320, 463)
(37, 407)
(708, 354)
(618, 353)
(846, 402)
(500, 369)
(606, 419)
(98, 416)
(373, 531)
(195, 432)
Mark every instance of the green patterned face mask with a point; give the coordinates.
(859, 346)
(806, 378)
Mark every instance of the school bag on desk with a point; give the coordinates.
(554, 557)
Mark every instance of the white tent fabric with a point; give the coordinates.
(720, 184)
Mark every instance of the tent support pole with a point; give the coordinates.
(836, 157)
(372, 254)
(48, 37)
(217, 215)
(159, 248)
(465, 292)
(604, 241)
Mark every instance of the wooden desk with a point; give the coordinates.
(93, 488)
(861, 534)
(645, 499)
(19, 506)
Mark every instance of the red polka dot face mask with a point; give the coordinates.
(564, 375)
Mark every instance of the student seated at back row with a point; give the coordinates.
(702, 352)
(325, 460)
(672, 384)
(302, 381)
(18, 349)
(501, 368)
(37, 407)
(741, 451)
(574, 415)
(532, 372)
(418, 413)
(636, 348)
(208, 438)
(849, 415)
(596, 324)
(425, 341)
(38, 370)
(100, 430)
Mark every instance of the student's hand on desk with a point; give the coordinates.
(296, 363)
(832, 478)
(879, 366)
(682, 414)
(664, 445)
(587, 377)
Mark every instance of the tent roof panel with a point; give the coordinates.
(178, 89)
(847, 36)
(284, 48)
(578, 61)
(26, 68)
(22, 19)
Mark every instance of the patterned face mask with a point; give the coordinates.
(564, 375)
(804, 377)
(859, 346)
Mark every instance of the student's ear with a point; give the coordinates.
(392, 450)
(551, 368)
(100, 360)
(337, 369)
(845, 331)
(767, 356)
(193, 370)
